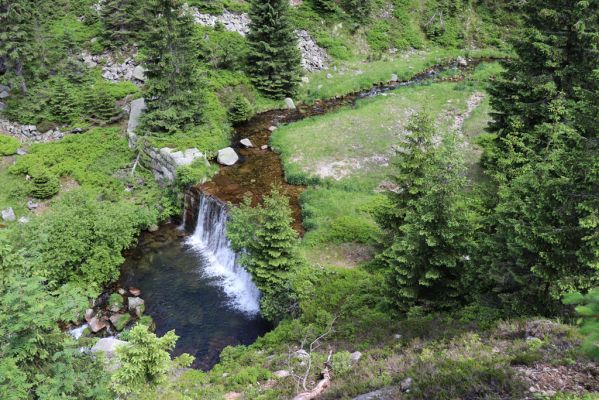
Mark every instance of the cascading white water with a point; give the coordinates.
(210, 240)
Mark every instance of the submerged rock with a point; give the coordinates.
(134, 291)
(227, 156)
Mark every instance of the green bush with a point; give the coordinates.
(44, 184)
(8, 145)
(195, 173)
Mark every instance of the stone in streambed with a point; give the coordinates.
(89, 314)
(134, 291)
(247, 143)
(96, 324)
(289, 103)
(115, 302)
(137, 304)
(227, 156)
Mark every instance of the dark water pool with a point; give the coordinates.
(181, 294)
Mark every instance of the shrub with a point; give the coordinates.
(241, 110)
(8, 145)
(44, 184)
(195, 173)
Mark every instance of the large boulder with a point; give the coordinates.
(8, 215)
(227, 156)
(187, 157)
(119, 321)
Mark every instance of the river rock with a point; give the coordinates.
(89, 314)
(108, 346)
(462, 61)
(264, 147)
(134, 291)
(246, 143)
(272, 128)
(96, 324)
(8, 215)
(289, 103)
(139, 73)
(227, 156)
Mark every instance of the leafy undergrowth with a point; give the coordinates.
(421, 358)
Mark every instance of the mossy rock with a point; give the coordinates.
(115, 302)
(120, 321)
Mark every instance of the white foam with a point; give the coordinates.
(210, 240)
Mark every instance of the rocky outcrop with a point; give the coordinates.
(29, 133)
(163, 162)
(115, 69)
(239, 23)
(314, 57)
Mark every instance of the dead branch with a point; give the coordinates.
(321, 386)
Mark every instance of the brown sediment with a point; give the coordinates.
(258, 170)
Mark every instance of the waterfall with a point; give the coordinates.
(210, 240)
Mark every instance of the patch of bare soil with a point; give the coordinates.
(346, 255)
(67, 183)
(547, 379)
(340, 169)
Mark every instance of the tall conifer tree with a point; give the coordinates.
(274, 58)
(123, 21)
(16, 38)
(428, 226)
(174, 93)
(544, 159)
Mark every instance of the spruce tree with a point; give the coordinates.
(268, 246)
(241, 110)
(544, 160)
(62, 103)
(274, 57)
(428, 225)
(103, 106)
(174, 93)
(123, 21)
(17, 47)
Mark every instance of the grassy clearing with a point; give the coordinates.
(345, 156)
(359, 75)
